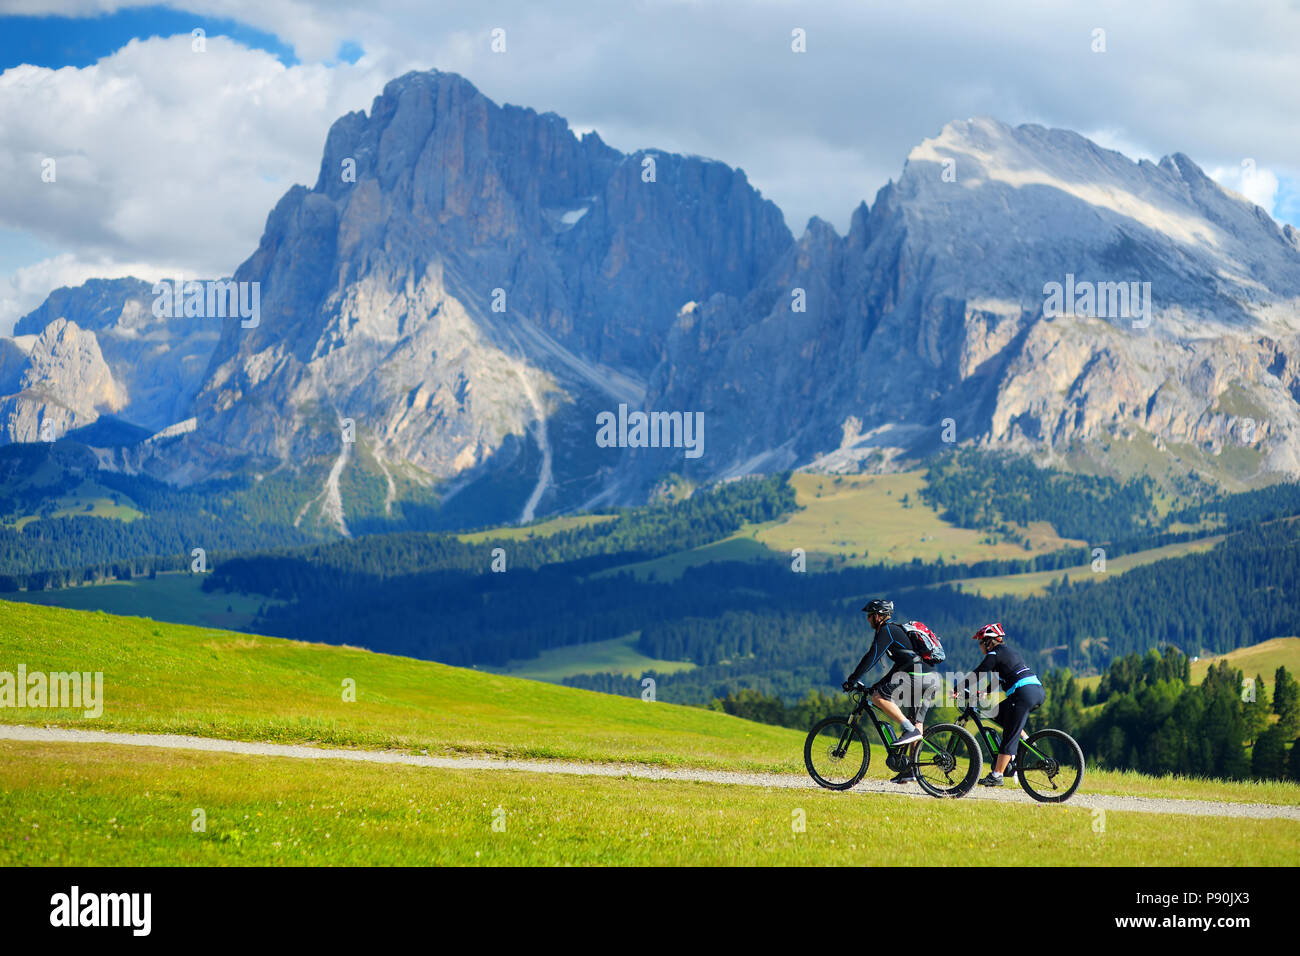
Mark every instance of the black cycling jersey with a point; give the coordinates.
(1007, 664)
(894, 643)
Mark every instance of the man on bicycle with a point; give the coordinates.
(909, 677)
(1024, 693)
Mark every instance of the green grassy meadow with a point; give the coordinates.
(167, 678)
(1036, 582)
(1263, 659)
(618, 655)
(864, 516)
(854, 519)
(73, 804)
(176, 596)
(540, 529)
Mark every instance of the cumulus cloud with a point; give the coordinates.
(1260, 186)
(162, 156)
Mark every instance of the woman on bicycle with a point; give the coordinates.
(1024, 693)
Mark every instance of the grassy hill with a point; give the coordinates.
(855, 519)
(1036, 582)
(170, 596)
(168, 678)
(881, 518)
(538, 530)
(105, 804)
(618, 655)
(1263, 659)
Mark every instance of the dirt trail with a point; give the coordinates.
(1200, 808)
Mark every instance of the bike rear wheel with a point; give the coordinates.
(1055, 772)
(948, 762)
(836, 753)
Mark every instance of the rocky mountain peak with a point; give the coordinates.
(471, 284)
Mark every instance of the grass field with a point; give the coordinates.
(854, 519)
(89, 499)
(1263, 659)
(539, 530)
(741, 546)
(77, 805)
(165, 678)
(618, 655)
(865, 518)
(177, 597)
(1036, 582)
(178, 679)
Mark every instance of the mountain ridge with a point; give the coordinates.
(471, 284)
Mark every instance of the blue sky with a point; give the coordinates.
(55, 41)
(168, 160)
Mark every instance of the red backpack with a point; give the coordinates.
(926, 642)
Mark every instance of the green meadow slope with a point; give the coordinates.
(106, 804)
(1261, 659)
(172, 678)
(169, 678)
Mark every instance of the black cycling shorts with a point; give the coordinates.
(1013, 713)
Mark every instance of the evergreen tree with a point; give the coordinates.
(1257, 712)
(1286, 701)
(1269, 760)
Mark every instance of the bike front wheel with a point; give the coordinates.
(948, 761)
(836, 753)
(1049, 765)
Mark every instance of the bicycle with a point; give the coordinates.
(1048, 763)
(947, 759)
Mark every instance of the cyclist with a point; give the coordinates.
(1024, 693)
(894, 643)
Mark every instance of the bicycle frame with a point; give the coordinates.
(992, 738)
(883, 730)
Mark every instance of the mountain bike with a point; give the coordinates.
(1048, 763)
(946, 760)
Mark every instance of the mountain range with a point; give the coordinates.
(469, 288)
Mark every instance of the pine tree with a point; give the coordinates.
(1269, 760)
(1286, 701)
(1257, 711)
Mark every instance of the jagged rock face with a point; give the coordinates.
(96, 305)
(157, 362)
(933, 308)
(484, 270)
(66, 384)
(472, 284)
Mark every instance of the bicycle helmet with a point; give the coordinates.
(990, 632)
(880, 606)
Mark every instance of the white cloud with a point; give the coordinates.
(1260, 186)
(162, 155)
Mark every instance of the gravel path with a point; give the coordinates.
(1200, 808)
